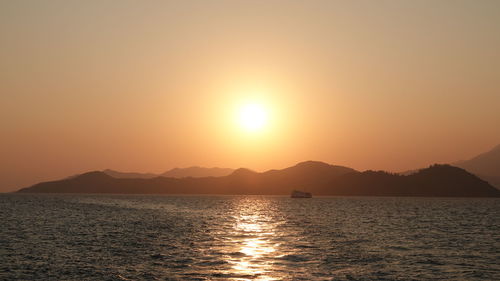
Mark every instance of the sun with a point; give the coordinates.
(253, 117)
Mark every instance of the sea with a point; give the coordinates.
(160, 237)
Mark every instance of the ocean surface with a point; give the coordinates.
(123, 237)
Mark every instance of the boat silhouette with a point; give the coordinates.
(301, 194)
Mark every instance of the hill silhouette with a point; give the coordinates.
(316, 177)
(434, 181)
(485, 166)
(129, 175)
(195, 172)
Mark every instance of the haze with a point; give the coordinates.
(146, 86)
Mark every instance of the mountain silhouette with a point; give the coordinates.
(129, 175)
(316, 177)
(434, 181)
(197, 172)
(485, 166)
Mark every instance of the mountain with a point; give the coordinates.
(129, 175)
(485, 166)
(197, 172)
(434, 181)
(316, 177)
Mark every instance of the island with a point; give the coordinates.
(321, 179)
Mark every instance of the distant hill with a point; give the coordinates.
(434, 181)
(316, 177)
(129, 175)
(486, 166)
(197, 172)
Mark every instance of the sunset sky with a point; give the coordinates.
(150, 85)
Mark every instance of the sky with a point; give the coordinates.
(150, 85)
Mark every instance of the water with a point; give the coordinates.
(113, 237)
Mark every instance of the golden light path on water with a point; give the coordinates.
(255, 248)
(253, 236)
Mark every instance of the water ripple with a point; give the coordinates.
(97, 237)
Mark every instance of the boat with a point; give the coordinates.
(301, 194)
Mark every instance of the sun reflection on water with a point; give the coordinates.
(252, 236)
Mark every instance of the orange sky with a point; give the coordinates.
(151, 85)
